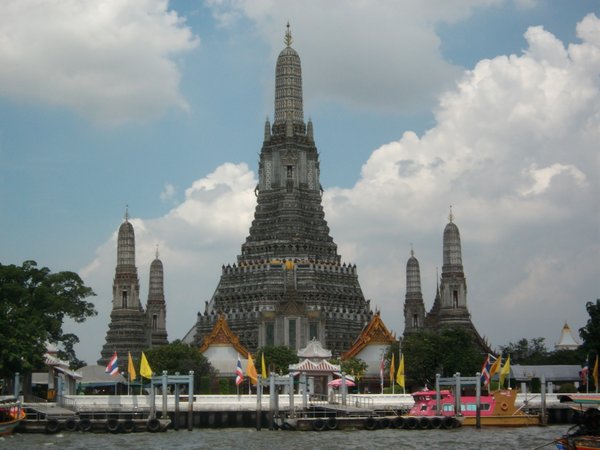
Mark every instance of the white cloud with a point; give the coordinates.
(168, 195)
(109, 60)
(514, 150)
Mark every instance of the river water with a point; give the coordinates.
(465, 438)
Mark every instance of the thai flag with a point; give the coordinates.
(239, 373)
(113, 366)
(485, 371)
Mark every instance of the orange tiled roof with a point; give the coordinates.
(222, 334)
(374, 333)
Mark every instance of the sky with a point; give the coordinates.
(491, 106)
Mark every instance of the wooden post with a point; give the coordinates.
(176, 413)
(271, 401)
(190, 423)
(543, 395)
(164, 394)
(478, 401)
(259, 403)
(437, 393)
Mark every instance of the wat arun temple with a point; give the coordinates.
(289, 284)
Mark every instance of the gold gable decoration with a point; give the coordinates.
(222, 334)
(374, 333)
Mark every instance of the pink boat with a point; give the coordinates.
(496, 409)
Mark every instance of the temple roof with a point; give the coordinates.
(221, 335)
(314, 350)
(374, 333)
(310, 366)
(566, 341)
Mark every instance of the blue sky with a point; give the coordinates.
(491, 106)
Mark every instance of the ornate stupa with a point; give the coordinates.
(131, 329)
(156, 306)
(288, 285)
(127, 328)
(450, 304)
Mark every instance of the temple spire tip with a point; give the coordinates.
(288, 36)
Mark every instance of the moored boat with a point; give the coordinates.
(11, 415)
(586, 434)
(496, 409)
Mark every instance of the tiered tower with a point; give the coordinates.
(450, 304)
(127, 328)
(288, 285)
(414, 308)
(131, 329)
(453, 287)
(156, 307)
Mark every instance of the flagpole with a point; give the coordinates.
(587, 365)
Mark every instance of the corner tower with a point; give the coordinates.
(156, 307)
(289, 284)
(127, 328)
(414, 308)
(453, 286)
(450, 305)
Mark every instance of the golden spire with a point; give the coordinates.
(288, 36)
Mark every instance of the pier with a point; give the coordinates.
(116, 413)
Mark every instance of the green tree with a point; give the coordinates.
(421, 359)
(33, 305)
(590, 333)
(458, 352)
(180, 357)
(525, 351)
(352, 366)
(277, 358)
(449, 351)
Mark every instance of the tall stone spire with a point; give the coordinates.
(127, 328)
(452, 248)
(156, 307)
(288, 285)
(288, 89)
(126, 249)
(414, 308)
(453, 289)
(449, 308)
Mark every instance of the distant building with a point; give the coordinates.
(566, 341)
(288, 285)
(222, 348)
(554, 375)
(131, 329)
(450, 304)
(371, 346)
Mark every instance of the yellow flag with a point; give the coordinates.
(400, 374)
(595, 373)
(392, 369)
(496, 366)
(251, 370)
(131, 368)
(505, 370)
(145, 369)
(264, 367)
